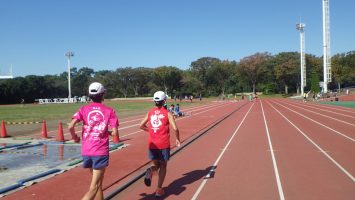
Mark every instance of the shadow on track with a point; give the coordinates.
(178, 186)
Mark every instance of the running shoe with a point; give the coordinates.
(159, 192)
(148, 177)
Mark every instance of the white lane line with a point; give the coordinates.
(322, 115)
(314, 107)
(277, 176)
(347, 137)
(130, 134)
(332, 107)
(318, 147)
(198, 191)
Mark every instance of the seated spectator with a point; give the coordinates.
(177, 111)
(171, 108)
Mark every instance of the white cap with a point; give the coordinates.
(159, 96)
(96, 88)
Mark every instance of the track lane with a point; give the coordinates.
(236, 174)
(337, 147)
(188, 168)
(246, 171)
(123, 163)
(305, 171)
(343, 118)
(345, 131)
(344, 110)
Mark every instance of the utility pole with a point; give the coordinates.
(69, 55)
(327, 74)
(300, 27)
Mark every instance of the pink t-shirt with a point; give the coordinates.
(96, 117)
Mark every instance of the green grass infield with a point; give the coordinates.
(350, 104)
(37, 112)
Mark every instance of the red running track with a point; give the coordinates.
(269, 149)
(123, 163)
(273, 153)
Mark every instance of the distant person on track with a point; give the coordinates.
(96, 118)
(304, 97)
(158, 120)
(256, 96)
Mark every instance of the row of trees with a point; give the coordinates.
(207, 76)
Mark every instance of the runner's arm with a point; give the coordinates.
(72, 130)
(114, 131)
(175, 128)
(143, 124)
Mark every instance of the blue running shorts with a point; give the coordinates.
(95, 162)
(159, 154)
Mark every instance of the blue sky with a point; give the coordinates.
(107, 34)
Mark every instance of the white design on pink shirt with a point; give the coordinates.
(155, 120)
(96, 125)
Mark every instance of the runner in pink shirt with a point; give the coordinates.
(96, 118)
(159, 119)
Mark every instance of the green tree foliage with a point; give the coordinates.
(167, 78)
(315, 82)
(81, 80)
(219, 75)
(190, 84)
(140, 78)
(287, 69)
(313, 65)
(125, 76)
(340, 69)
(200, 67)
(206, 76)
(253, 67)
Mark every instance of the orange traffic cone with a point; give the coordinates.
(116, 139)
(61, 152)
(44, 151)
(44, 129)
(60, 137)
(3, 130)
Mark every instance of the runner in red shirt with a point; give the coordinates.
(158, 120)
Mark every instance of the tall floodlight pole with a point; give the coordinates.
(69, 55)
(327, 75)
(300, 27)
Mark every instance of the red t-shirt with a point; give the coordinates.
(159, 137)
